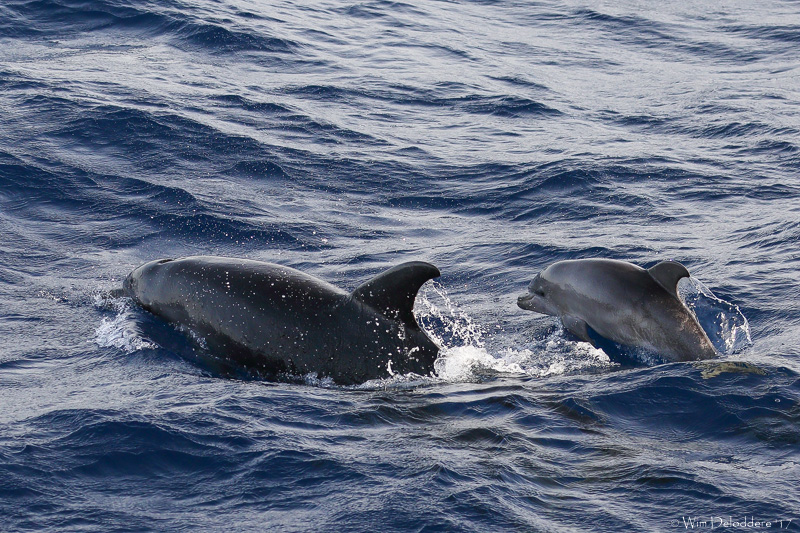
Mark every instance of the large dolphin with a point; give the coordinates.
(276, 320)
(623, 303)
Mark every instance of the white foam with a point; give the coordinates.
(556, 355)
(466, 363)
(120, 331)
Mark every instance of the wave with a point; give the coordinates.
(181, 26)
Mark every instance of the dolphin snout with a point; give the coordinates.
(525, 301)
(538, 303)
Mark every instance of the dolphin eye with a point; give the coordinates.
(539, 292)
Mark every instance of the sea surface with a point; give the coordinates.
(490, 138)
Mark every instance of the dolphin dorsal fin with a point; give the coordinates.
(668, 274)
(393, 292)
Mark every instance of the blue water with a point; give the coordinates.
(490, 138)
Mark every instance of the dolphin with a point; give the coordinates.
(623, 303)
(275, 320)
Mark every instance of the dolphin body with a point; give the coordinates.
(276, 320)
(623, 303)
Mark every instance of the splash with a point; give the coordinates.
(723, 322)
(444, 322)
(464, 354)
(468, 363)
(556, 355)
(120, 331)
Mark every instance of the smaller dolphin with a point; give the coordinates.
(623, 303)
(277, 320)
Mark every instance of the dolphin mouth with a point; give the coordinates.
(537, 304)
(528, 302)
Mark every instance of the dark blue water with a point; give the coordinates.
(489, 138)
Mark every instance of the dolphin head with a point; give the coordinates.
(136, 284)
(538, 297)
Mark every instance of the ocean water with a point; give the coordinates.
(490, 138)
